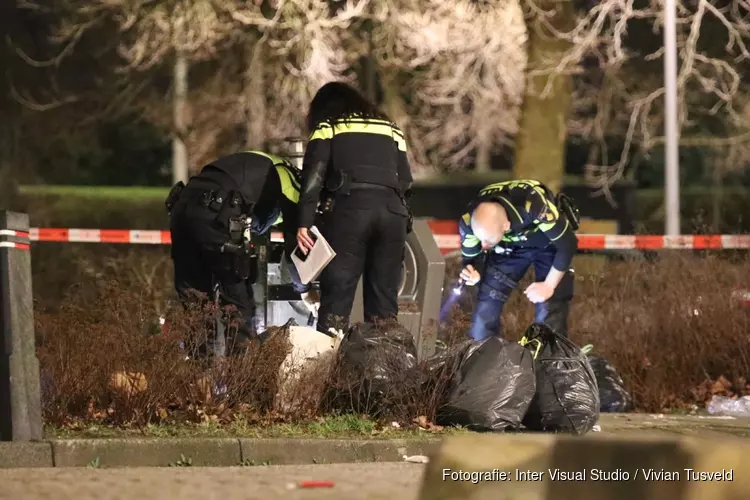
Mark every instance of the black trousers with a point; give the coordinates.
(367, 230)
(199, 266)
(501, 276)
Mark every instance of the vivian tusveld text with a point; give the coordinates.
(588, 475)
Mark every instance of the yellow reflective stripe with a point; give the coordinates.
(510, 184)
(561, 233)
(279, 220)
(551, 206)
(289, 171)
(275, 159)
(288, 184)
(322, 131)
(466, 218)
(400, 139)
(470, 241)
(400, 142)
(363, 128)
(512, 207)
(359, 125)
(356, 119)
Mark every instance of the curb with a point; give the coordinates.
(207, 452)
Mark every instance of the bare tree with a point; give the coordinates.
(175, 32)
(281, 54)
(626, 97)
(465, 63)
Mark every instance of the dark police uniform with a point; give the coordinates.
(358, 168)
(540, 234)
(209, 259)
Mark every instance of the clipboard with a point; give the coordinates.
(311, 265)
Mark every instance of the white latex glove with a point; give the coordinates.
(470, 276)
(311, 300)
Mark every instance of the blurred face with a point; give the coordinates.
(489, 224)
(488, 237)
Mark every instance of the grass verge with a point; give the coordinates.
(331, 427)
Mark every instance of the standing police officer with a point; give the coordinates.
(519, 224)
(356, 165)
(212, 220)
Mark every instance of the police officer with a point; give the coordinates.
(519, 224)
(355, 164)
(212, 220)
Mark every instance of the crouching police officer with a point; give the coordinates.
(212, 220)
(519, 224)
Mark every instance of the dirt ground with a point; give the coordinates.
(387, 481)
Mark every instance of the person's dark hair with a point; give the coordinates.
(339, 101)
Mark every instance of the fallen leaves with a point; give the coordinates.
(426, 425)
(722, 386)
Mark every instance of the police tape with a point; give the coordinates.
(445, 233)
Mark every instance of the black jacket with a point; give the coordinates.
(364, 150)
(268, 183)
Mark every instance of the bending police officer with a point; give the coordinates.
(355, 164)
(212, 221)
(519, 224)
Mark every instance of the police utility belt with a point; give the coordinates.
(340, 183)
(240, 241)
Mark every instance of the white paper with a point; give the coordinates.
(317, 259)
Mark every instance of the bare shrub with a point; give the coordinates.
(669, 324)
(103, 358)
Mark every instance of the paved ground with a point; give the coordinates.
(645, 424)
(386, 481)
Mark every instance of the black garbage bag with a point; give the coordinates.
(613, 396)
(567, 396)
(374, 361)
(439, 370)
(492, 388)
(446, 358)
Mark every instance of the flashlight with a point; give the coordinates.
(459, 287)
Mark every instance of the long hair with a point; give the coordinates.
(339, 101)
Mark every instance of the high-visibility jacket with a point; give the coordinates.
(535, 221)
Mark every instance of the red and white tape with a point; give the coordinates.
(445, 233)
(10, 238)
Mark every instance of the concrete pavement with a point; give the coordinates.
(215, 452)
(376, 481)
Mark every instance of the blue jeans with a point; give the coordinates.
(501, 276)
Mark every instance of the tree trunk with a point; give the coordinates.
(723, 161)
(255, 97)
(371, 79)
(482, 163)
(180, 171)
(540, 143)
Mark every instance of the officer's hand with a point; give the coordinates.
(311, 300)
(470, 275)
(304, 241)
(539, 292)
